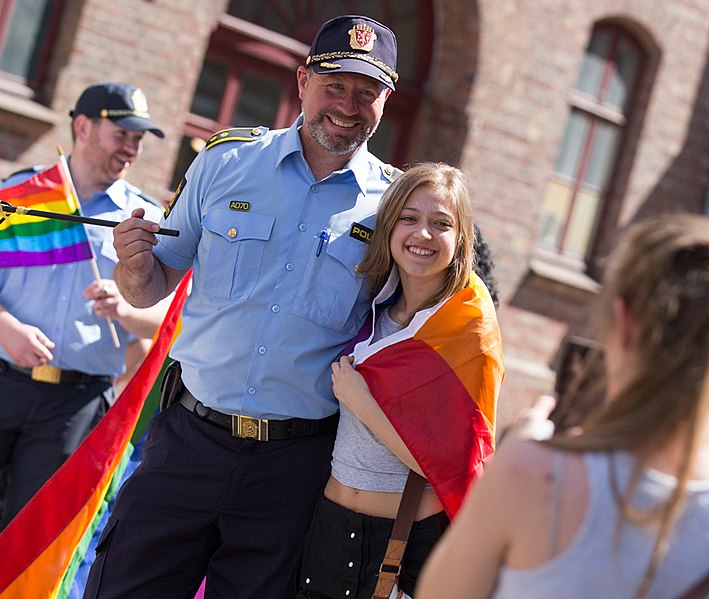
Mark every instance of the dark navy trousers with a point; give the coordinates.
(40, 426)
(205, 503)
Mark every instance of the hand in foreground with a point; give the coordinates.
(533, 422)
(134, 239)
(108, 301)
(26, 345)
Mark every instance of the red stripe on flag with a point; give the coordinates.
(430, 408)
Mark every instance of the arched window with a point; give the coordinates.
(600, 105)
(27, 29)
(248, 75)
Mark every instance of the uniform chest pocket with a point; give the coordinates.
(330, 289)
(231, 252)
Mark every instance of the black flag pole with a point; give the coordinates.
(8, 208)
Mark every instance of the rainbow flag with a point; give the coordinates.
(38, 546)
(437, 381)
(37, 241)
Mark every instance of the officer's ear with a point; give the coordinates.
(81, 126)
(302, 75)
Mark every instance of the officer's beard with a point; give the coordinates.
(337, 144)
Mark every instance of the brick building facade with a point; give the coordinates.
(503, 88)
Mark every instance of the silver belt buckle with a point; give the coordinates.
(245, 427)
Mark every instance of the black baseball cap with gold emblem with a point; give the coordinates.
(123, 104)
(355, 44)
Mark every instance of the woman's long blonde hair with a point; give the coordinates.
(378, 262)
(661, 270)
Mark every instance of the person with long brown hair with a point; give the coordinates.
(621, 508)
(418, 394)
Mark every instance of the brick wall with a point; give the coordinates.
(517, 61)
(157, 45)
(496, 103)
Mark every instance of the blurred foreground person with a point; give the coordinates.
(620, 509)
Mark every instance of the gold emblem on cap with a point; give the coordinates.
(140, 104)
(362, 37)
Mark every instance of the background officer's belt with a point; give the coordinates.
(53, 375)
(246, 427)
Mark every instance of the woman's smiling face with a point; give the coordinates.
(424, 238)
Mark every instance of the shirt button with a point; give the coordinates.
(252, 390)
(231, 232)
(315, 188)
(350, 564)
(275, 309)
(289, 267)
(307, 581)
(262, 350)
(303, 227)
(352, 535)
(347, 592)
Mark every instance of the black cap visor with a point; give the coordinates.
(354, 65)
(137, 123)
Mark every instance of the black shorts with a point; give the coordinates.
(344, 549)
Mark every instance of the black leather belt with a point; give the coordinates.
(259, 429)
(53, 375)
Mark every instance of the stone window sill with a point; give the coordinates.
(555, 270)
(26, 108)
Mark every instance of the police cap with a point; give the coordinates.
(355, 44)
(123, 104)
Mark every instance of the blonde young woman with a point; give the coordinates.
(420, 394)
(621, 509)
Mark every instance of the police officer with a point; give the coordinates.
(273, 223)
(57, 356)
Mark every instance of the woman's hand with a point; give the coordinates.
(349, 386)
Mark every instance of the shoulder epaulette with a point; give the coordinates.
(32, 170)
(391, 172)
(235, 134)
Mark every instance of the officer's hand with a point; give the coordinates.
(134, 239)
(26, 345)
(108, 301)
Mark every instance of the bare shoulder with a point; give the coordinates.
(525, 460)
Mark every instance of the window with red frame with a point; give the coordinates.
(248, 75)
(27, 29)
(600, 106)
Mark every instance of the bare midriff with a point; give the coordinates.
(376, 503)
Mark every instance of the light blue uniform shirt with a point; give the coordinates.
(267, 315)
(51, 298)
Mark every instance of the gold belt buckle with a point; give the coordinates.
(47, 374)
(245, 427)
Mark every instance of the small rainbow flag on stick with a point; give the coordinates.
(36, 241)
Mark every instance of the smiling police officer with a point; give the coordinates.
(271, 222)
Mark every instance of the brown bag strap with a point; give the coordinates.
(699, 590)
(391, 565)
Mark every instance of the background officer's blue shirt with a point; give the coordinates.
(51, 298)
(267, 315)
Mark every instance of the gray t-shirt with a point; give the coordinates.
(595, 566)
(359, 459)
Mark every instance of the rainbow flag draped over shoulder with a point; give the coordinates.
(36, 241)
(437, 381)
(40, 542)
